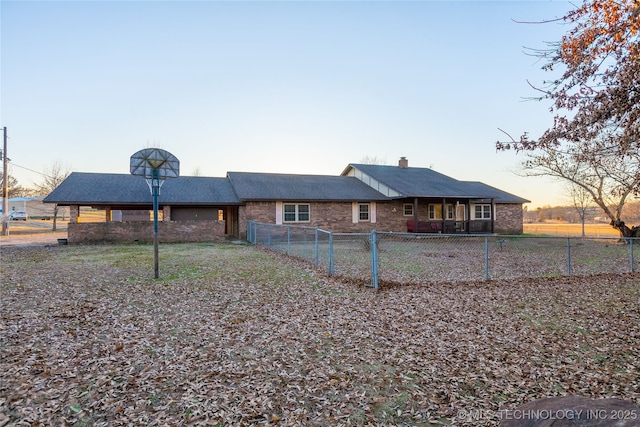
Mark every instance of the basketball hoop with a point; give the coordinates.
(155, 165)
(158, 183)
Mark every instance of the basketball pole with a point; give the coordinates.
(155, 165)
(5, 185)
(155, 184)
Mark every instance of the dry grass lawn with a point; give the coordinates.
(231, 335)
(574, 230)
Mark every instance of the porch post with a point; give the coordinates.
(415, 215)
(493, 216)
(74, 213)
(444, 210)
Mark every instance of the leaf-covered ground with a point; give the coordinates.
(231, 335)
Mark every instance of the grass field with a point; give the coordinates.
(232, 335)
(566, 229)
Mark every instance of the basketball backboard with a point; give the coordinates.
(145, 162)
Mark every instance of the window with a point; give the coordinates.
(482, 212)
(303, 213)
(435, 211)
(407, 209)
(289, 213)
(363, 211)
(450, 212)
(296, 212)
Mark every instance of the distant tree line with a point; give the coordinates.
(570, 214)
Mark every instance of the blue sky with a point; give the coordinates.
(275, 86)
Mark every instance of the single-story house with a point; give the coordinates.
(362, 198)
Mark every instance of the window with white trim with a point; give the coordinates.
(435, 211)
(298, 212)
(450, 212)
(407, 209)
(482, 212)
(363, 212)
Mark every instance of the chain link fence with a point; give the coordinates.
(311, 244)
(406, 258)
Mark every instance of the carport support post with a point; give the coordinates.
(154, 185)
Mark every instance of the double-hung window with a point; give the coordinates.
(482, 212)
(407, 209)
(298, 212)
(435, 211)
(450, 212)
(363, 212)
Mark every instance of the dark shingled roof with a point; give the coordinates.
(103, 188)
(424, 182)
(498, 195)
(270, 186)
(119, 189)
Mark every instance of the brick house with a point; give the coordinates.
(362, 198)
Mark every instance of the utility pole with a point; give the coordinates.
(5, 186)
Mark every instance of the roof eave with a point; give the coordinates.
(346, 170)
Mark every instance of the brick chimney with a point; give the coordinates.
(403, 163)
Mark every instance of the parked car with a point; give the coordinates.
(18, 216)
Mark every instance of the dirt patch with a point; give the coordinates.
(34, 233)
(39, 239)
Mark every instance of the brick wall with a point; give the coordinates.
(508, 219)
(129, 232)
(332, 216)
(337, 217)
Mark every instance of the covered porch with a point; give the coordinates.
(450, 215)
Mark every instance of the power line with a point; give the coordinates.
(31, 170)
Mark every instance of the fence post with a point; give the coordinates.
(330, 254)
(486, 258)
(317, 251)
(568, 256)
(631, 239)
(268, 236)
(288, 240)
(374, 259)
